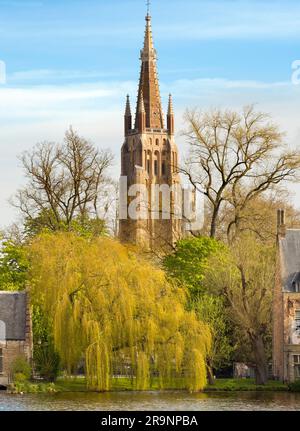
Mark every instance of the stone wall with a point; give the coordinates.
(11, 350)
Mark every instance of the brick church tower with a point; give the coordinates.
(149, 157)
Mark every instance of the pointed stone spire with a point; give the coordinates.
(148, 85)
(128, 108)
(148, 53)
(127, 117)
(170, 105)
(170, 116)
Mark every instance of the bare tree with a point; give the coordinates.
(245, 276)
(66, 182)
(234, 158)
(259, 216)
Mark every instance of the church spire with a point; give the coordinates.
(127, 117)
(170, 116)
(148, 85)
(128, 108)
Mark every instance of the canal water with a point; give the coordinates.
(167, 400)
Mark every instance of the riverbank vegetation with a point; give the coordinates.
(79, 384)
(105, 309)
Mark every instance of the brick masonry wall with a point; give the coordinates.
(11, 350)
(278, 342)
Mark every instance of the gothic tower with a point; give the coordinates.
(149, 157)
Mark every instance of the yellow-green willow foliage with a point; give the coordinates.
(110, 307)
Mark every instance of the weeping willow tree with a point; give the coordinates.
(108, 307)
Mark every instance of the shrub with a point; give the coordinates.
(19, 377)
(21, 369)
(31, 388)
(295, 386)
(47, 361)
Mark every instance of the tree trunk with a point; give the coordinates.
(261, 373)
(213, 224)
(214, 218)
(210, 376)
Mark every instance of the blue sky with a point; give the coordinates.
(73, 62)
(233, 39)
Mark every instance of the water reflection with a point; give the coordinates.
(173, 400)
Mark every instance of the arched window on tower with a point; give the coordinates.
(148, 164)
(157, 142)
(139, 154)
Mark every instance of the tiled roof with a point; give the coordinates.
(13, 314)
(289, 247)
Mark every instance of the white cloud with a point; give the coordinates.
(47, 101)
(34, 114)
(38, 75)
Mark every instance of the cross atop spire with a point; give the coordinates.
(149, 86)
(148, 3)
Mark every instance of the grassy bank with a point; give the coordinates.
(245, 385)
(126, 384)
(117, 384)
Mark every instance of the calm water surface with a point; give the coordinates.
(171, 400)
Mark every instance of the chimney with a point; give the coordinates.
(281, 229)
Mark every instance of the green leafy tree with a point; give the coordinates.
(45, 357)
(211, 310)
(13, 266)
(189, 262)
(187, 265)
(83, 225)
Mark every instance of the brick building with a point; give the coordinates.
(149, 156)
(15, 331)
(286, 304)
